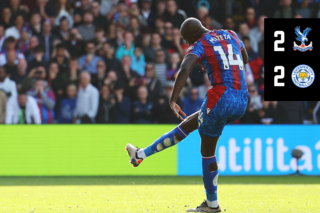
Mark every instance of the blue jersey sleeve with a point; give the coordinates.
(196, 49)
(241, 43)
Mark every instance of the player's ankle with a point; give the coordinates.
(213, 204)
(141, 154)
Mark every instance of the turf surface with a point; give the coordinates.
(157, 194)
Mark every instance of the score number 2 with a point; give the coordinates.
(279, 68)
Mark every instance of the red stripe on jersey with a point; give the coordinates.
(213, 96)
(213, 60)
(235, 68)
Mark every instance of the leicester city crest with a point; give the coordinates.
(303, 76)
(302, 37)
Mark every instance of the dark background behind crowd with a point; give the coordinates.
(112, 61)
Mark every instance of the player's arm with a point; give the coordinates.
(185, 68)
(244, 55)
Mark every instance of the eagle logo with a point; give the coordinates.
(302, 37)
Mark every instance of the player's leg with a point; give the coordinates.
(167, 140)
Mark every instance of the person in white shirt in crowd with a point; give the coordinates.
(15, 30)
(7, 85)
(22, 109)
(256, 34)
(88, 100)
(64, 10)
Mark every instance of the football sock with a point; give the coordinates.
(165, 141)
(210, 180)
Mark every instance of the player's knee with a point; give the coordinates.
(213, 167)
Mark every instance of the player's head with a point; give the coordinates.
(191, 30)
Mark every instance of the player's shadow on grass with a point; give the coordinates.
(154, 180)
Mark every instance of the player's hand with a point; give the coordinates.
(177, 110)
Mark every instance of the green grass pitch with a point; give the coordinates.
(157, 194)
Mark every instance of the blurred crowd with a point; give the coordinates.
(114, 61)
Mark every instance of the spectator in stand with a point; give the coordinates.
(251, 116)
(35, 24)
(162, 107)
(204, 17)
(256, 34)
(56, 82)
(251, 17)
(111, 79)
(138, 62)
(87, 101)
(10, 66)
(127, 48)
(111, 61)
(2, 36)
(47, 40)
(161, 8)
(154, 85)
(68, 105)
(38, 59)
(99, 40)
(134, 27)
(229, 24)
(3, 103)
(192, 103)
(60, 56)
(63, 10)
(24, 40)
(63, 30)
(305, 9)
(147, 13)
(112, 35)
(150, 52)
(135, 12)
(121, 17)
(142, 108)
(167, 39)
(101, 74)
(17, 9)
(203, 89)
(255, 98)
(161, 68)
(244, 30)
(174, 66)
(22, 109)
(10, 45)
(123, 104)
(72, 74)
(106, 111)
(84, 6)
(15, 30)
(7, 85)
(46, 101)
(32, 44)
(255, 61)
(19, 76)
(98, 19)
(89, 61)
(75, 44)
(286, 10)
(6, 17)
(289, 112)
(268, 112)
(45, 10)
(177, 43)
(87, 28)
(172, 14)
(159, 26)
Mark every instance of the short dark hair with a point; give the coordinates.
(245, 38)
(10, 39)
(22, 92)
(90, 42)
(60, 46)
(98, 29)
(38, 49)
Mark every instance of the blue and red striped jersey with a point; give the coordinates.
(219, 52)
